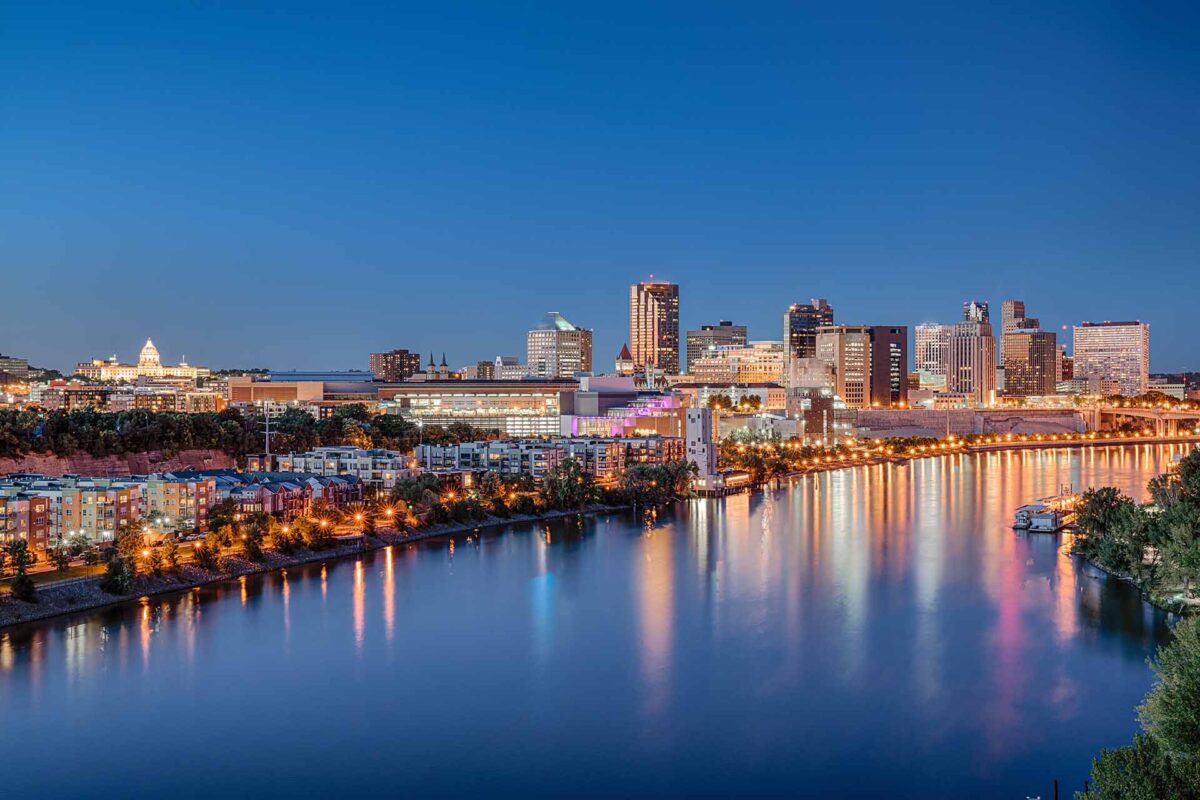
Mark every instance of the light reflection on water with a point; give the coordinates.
(866, 631)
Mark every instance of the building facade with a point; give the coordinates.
(846, 349)
(971, 358)
(377, 468)
(709, 337)
(557, 349)
(528, 407)
(800, 324)
(149, 365)
(654, 325)
(1031, 363)
(1117, 351)
(889, 365)
(757, 362)
(931, 341)
(394, 365)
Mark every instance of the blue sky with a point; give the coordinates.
(296, 185)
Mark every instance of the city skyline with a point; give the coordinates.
(215, 186)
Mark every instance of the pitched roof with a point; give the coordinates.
(625, 354)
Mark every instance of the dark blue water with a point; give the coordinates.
(865, 633)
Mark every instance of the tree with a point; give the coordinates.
(1143, 771)
(22, 586)
(118, 576)
(208, 553)
(222, 514)
(1171, 712)
(568, 486)
(170, 555)
(61, 557)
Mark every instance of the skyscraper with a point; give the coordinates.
(976, 311)
(1013, 319)
(1117, 351)
(1031, 362)
(847, 350)
(800, 323)
(931, 340)
(971, 356)
(395, 365)
(889, 365)
(557, 349)
(654, 325)
(710, 337)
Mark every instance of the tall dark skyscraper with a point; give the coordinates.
(654, 325)
(889, 364)
(800, 323)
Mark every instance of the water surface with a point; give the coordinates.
(878, 631)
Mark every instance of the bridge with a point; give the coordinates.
(1160, 421)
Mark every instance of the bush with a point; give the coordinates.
(118, 577)
(23, 588)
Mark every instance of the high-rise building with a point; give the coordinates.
(971, 357)
(889, 365)
(800, 323)
(847, 350)
(558, 349)
(1117, 351)
(1013, 319)
(976, 311)
(710, 337)
(931, 341)
(395, 365)
(16, 370)
(1031, 362)
(654, 325)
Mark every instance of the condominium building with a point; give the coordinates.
(1118, 351)
(377, 467)
(90, 507)
(180, 502)
(603, 458)
(394, 365)
(800, 324)
(709, 337)
(757, 362)
(654, 325)
(847, 351)
(557, 349)
(931, 341)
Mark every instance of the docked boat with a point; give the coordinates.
(1048, 515)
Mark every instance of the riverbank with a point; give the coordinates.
(84, 594)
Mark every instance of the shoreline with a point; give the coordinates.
(75, 595)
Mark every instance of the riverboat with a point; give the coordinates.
(1048, 515)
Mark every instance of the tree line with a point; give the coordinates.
(99, 433)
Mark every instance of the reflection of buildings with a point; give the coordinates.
(148, 365)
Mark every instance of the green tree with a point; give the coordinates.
(1171, 712)
(1143, 771)
(61, 557)
(170, 555)
(22, 586)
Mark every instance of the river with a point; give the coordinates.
(871, 632)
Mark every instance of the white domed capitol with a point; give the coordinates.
(149, 365)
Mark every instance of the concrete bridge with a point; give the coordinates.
(1160, 421)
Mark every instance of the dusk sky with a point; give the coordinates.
(296, 186)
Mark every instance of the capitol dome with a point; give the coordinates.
(149, 355)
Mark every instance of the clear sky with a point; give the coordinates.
(275, 184)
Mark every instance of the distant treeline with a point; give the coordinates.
(99, 434)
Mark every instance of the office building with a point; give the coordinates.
(558, 349)
(846, 349)
(395, 365)
(710, 337)
(529, 407)
(757, 362)
(1031, 363)
(1117, 351)
(889, 365)
(976, 311)
(971, 357)
(654, 326)
(800, 323)
(931, 341)
(13, 370)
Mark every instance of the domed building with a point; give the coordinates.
(149, 365)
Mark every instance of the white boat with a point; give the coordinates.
(1048, 515)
